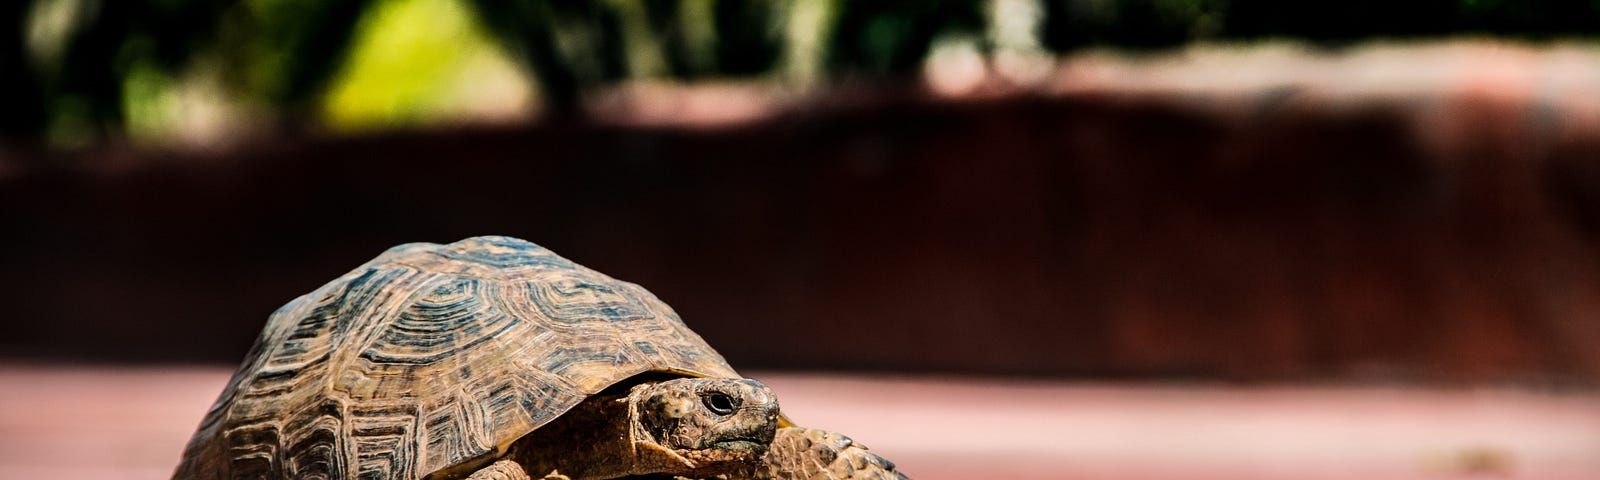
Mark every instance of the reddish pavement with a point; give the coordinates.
(68, 422)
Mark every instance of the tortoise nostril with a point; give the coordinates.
(719, 403)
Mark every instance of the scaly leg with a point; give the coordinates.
(509, 470)
(810, 454)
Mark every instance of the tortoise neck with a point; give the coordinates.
(594, 440)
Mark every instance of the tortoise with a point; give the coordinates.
(495, 358)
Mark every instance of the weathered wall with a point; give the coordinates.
(1273, 236)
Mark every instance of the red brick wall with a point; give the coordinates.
(1281, 235)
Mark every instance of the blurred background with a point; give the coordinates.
(1116, 239)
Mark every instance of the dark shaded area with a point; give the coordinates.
(84, 85)
(24, 112)
(531, 30)
(310, 40)
(1107, 236)
(1347, 20)
(892, 38)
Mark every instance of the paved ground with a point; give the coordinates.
(67, 422)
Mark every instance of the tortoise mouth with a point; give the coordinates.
(741, 444)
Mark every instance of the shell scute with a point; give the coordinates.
(253, 449)
(381, 434)
(504, 253)
(579, 300)
(450, 319)
(315, 448)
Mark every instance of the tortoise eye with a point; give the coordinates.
(719, 403)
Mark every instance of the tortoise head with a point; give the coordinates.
(705, 424)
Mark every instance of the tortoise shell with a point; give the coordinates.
(431, 356)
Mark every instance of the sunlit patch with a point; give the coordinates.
(50, 24)
(955, 66)
(418, 61)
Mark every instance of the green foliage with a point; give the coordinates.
(66, 63)
(410, 60)
(72, 71)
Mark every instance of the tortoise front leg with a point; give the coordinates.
(509, 470)
(809, 454)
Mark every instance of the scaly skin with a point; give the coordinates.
(509, 470)
(501, 470)
(669, 429)
(664, 428)
(795, 454)
(810, 454)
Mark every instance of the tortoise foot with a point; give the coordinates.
(501, 470)
(810, 454)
